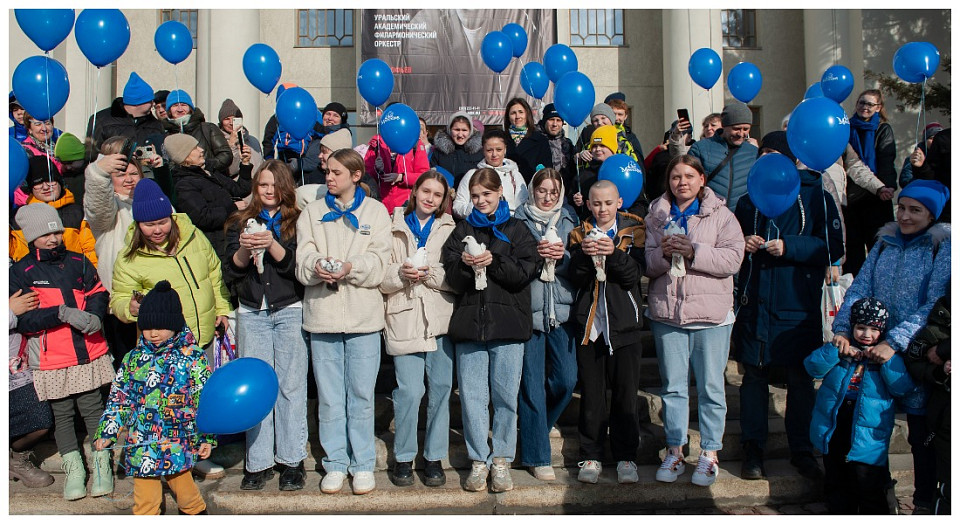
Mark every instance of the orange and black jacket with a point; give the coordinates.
(77, 235)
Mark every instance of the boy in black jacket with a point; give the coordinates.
(608, 312)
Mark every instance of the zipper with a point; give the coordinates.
(196, 307)
(730, 183)
(636, 311)
(190, 269)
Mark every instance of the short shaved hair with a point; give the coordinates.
(604, 184)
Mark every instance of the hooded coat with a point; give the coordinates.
(216, 151)
(77, 235)
(514, 187)
(455, 158)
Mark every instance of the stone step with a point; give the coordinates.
(529, 496)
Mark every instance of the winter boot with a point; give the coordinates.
(102, 474)
(25, 471)
(75, 485)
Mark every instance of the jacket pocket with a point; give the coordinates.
(398, 302)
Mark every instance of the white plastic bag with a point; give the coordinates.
(830, 299)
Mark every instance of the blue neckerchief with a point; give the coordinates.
(480, 220)
(610, 233)
(906, 239)
(414, 224)
(867, 148)
(335, 211)
(680, 217)
(272, 223)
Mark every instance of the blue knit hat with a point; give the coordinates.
(932, 194)
(137, 91)
(176, 96)
(149, 202)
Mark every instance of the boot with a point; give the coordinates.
(75, 485)
(23, 470)
(102, 474)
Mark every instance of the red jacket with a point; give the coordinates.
(411, 165)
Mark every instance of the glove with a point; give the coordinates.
(82, 321)
(378, 164)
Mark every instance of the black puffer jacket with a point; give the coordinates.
(456, 159)
(115, 121)
(207, 198)
(534, 149)
(278, 282)
(502, 311)
(216, 150)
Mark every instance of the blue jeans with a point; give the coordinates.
(345, 366)
(410, 369)
(277, 339)
(706, 351)
(489, 372)
(540, 406)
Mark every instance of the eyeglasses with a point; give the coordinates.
(866, 104)
(541, 192)
(45, 183)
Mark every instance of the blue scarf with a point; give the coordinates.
(680, 217)
(420, 234)
(480, 220)
(335, 211)
(272, 223)
(865, 149)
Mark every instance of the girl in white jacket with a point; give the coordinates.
(494, 157)
(343, 245)
(419, 307)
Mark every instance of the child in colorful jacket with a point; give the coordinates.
(155, 396)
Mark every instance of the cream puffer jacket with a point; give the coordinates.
(356, 304)
(416, 313)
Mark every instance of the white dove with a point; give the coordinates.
(418, 260)
(599, 261)
(549, 265)
(256, 227)
(677, 267)
(473, 248)
(331, 265)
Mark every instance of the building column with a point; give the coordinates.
(685, 31)
(223, 36)
(831, 37)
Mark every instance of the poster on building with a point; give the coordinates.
(436, 62)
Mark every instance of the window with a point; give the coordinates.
(596, 27)
(324, 27)
(756, 130)
(187, 17)
(739, 27)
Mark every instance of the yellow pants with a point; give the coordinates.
(148, 494)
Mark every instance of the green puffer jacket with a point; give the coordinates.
(194, 272)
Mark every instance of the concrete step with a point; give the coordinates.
(530, 496)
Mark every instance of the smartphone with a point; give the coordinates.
(128, 150)
(237, 122)
(138, 295)
(239, 136)
(684, 114)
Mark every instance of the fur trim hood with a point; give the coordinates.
(444, 143)
(937, 232)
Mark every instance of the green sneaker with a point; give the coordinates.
(75, 484)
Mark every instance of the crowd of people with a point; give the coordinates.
(491, 258)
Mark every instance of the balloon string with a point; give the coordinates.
(96, 93)
(501, 89)
(176, 78)
(922, 113)
(577, 163)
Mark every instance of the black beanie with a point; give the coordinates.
(161, 309)
(777, 140)
(871, 312)
(41, 169)
(338, 108)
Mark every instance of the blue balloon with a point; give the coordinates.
(173, 41)
(297, 112)
(574, 97)
(558, 61)
(237, 397)
(518, 38)
(19, 165)
(914, 62)
(705, 67)
(814, 90)
(625, 172)
(818, 132)
(744, 81)
(496, 51)
(773, 184)
(533, 80)
(442, 170)
(837, 83)
(41, 86)
(45, 27)
(375, 81)
(102, 35)
(400, 128)
(261, 66)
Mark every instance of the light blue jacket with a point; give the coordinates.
(560, 293)
(730, 183)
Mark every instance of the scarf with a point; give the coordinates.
(421, 234)
(501, 215)
(182, 339)
(865, 149)
(680, 217)
(517, 133)
(335, 211)
(272, 223)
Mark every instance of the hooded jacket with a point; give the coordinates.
(514, 188)
(77, 235)
(216, 151)
(115, 121)
(18, 131)
(411, 164)
(207, 198)
(109, 216)
(454, 158)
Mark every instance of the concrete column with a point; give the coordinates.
(685, 31)
(223, 36)
(831, 37)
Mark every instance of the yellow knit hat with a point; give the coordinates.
(605, 136)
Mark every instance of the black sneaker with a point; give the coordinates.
(292, 478)
(433, 474)
(403, 474)
(807, 465)
(255, 481)
(752, 467)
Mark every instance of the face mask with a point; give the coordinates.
(180, 121)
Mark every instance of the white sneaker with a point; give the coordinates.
(627, 472)
(477, 480)
(208, 469)
(589, 471)
(555, 432)
(544, 473)
(707, 470)
(671, 467)
(332, 482)
(363, 482)
(500, 479)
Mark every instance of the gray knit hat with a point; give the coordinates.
(460, 114)
(179, 146)
(605, 110)
(339, 139)
(37, 220)
(736, 113)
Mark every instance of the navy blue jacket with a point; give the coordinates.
(730, 183)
